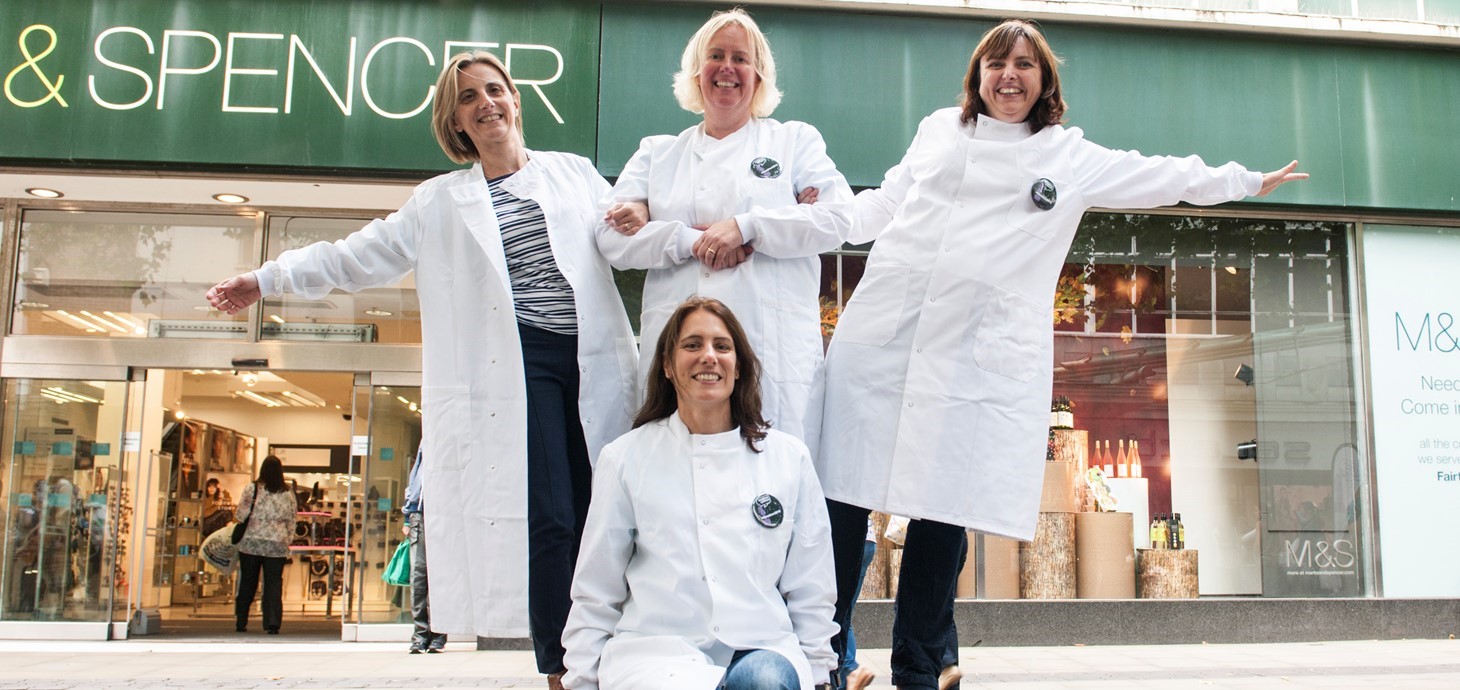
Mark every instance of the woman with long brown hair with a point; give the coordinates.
(706, 561)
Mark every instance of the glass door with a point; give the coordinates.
(387, 430)
(67, 502)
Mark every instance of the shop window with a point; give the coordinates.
(389, 314)
(1210, 365)
(67, 513)
(128, 275)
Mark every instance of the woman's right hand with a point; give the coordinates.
(808, 196)
(235, 294)
(627, 217)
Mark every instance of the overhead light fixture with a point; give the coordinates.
(378, 312)
(202, 307)
(69, 396)
(276, 319)
(262, 400)
(1244, 374)
(180, 415)
(250, 379)
(44, 193)
(106, 322)
(230, 198)
(303, 399)
(33, 305)
(1232, 270)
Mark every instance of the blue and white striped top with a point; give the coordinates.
(542, 296)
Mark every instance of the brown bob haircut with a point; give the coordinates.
(457, 145)
(1049, 109)
(662, 399)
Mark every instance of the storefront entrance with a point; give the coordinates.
(113, 480)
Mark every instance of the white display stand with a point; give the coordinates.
(1132, 495)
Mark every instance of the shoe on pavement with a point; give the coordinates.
(950, 677)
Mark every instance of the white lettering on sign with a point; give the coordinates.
(229, 70)
(365, 78)
(145, 77)
(359, 445)
(177, 43)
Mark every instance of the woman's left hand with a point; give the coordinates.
(1278, 178)
(627, 217)
(716, 247)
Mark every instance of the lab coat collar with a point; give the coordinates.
(989, 129)
(703, 144)
(720, 441)
(523, 183)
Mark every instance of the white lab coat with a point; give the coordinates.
(939, 374)
(675, 573)
(473, 395)
(693, 179)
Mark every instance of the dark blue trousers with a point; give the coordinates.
(924, 638)
(559, 483)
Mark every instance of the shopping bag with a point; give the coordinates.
(220, 552)
(398, 570)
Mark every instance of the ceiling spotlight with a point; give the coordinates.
(180, 414)
(378, 312)
(44, 193)
(1232, 270)
(250, 379)
(231, 198)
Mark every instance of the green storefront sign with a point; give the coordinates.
(327, 84)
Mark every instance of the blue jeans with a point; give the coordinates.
(924, 638)
(559, 481)
(849, 662)
(760, 669)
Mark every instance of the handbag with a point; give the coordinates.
(220, 553)
(242, 527)
(398, 570)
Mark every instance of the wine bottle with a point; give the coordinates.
(1163, 533)
(1135, 458)
(1067, 413)
(1180, 535)
(1155, 535)
(1122, 462)
(1107, 463)
(1054, 413)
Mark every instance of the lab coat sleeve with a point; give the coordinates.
(808, 582)
(798, 230)
(378, 254)
(874, 208)
(1126, 179)
(660, 243)
(600, 586)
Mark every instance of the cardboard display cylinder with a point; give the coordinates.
(1058, 495)
(1167, 574)
(1000, 568)
(1047, 564)
(1105, 557)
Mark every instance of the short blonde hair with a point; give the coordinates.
(457, 145)
(687, 79)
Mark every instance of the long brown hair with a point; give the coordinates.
(271, 475)
(1049, 109)
(662, 399)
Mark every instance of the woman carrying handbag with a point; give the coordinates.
(266, 524)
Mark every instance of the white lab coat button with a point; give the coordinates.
(920, 350)
(492, 467)
(704, 522)
(909, 404)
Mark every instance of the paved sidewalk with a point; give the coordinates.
(258, 662)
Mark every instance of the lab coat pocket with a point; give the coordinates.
(448, 439)
(628, 369)
(797, 332)
(1025, 215)
(872, 315)
(1007, 342)
(772, 546)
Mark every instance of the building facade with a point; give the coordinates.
(1284, 369)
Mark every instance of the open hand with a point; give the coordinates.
(235, 294)
(1278, 178)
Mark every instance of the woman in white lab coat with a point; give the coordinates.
(527, 354)
(722, 197)
(707, 559)
(939, 375)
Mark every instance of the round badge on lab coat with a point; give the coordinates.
(767, 511)
(765, 168)
(1043, 193)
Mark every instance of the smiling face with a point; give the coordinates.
(1010, 85)
(727, 79)
(486, 107)
(702, 363)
